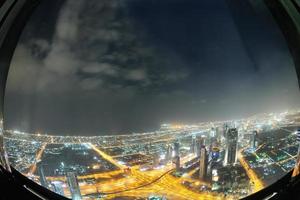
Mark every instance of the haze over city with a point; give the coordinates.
(154, 100)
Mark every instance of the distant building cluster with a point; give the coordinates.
(235, 158)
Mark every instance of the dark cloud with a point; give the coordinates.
(120, 66)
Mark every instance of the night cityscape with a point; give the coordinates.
(211, 160)
(152, 99)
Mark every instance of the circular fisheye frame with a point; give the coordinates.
(140, 99)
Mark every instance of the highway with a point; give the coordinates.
(142, 184)
(38, 157)
(136, 183)
(258, 184)
(106, 156)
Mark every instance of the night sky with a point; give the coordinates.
(121, 66)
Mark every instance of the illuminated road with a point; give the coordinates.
(37, 158)
(107, 157)
(143, 183)
(296, 171)
(138, 183)
(170, 187)
(258, 184)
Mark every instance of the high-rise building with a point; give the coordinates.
(217, 132)
(199, 144)
(43, 179)
(193, 144)
(212, 133)
(177, 163)
(176, 148)
(73, 185)
(177, 156)
(225, 129)
(58, 187)
(253, 140)
(169, 152)
(203, 163)
(231, 146)
(296, 171)
(156, 159)
(215, 153)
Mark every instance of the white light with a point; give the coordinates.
(121, 162)
(214, 172)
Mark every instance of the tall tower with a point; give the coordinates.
(168, 153)
(43, 179)
(253, 140)
(176, 148)
(177, 163)
(199, 144)
(193, 144)
(177, 156)
(225, 129)
(231, 146)
(58, 188)
(73, 185)
(203, 163)
(296, 171)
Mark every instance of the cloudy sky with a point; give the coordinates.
(121, 66)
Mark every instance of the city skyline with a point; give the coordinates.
(206, 160)
(152, 100)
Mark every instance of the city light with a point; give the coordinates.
(182, 161)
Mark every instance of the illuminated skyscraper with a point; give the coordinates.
(296, 171)
(212, 132)
(169, 152)
(203, 163)
(177, 162)
(177, 156)
(231, 146)
(217, 132)
(199, 144)
(43, 179)
(193, 145)
(156, 159)
(176, 148)
(253, 140)
(58, 187)
(73, 185)
(225, 129)
(215, 153)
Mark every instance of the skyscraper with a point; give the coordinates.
(215, 153)
(177, 156)
(43, 179)
(177, 163)
(203, 163)
(217, 132)
(253, 140)
(231, 146)
(212, 133)
(296, 171)
(73, 185)
(58, 188)
(225, 129)
(199, 143)
(193, 144)
(176, 148)
(168, 153)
